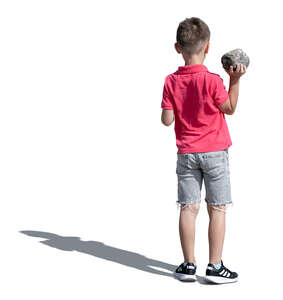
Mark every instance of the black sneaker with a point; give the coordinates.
(186, 272)
(223, 275)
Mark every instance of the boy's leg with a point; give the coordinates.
(190, 180)
(218, 197)
(187, 220)
(216, 232)
(216, 272)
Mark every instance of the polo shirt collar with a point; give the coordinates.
(187, 69)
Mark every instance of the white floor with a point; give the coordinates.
(107, 255)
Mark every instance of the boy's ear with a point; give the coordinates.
(177, 48)
(207, 47)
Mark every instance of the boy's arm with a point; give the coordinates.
(167, 116)
(167, 104)
(229, 106)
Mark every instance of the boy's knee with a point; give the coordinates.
(194, 207)
(221, 208)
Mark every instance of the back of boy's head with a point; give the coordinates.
(192, 34)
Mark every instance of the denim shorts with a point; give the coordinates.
(213, 168)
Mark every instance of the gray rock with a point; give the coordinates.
(234, 57)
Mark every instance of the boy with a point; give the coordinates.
(198, 101)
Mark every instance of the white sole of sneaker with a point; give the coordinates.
(185, 277)
(219, 280)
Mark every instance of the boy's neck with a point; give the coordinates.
(193, 60)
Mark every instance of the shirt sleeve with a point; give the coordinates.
(219, 94)
(167, 101)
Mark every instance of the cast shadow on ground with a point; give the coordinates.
(98, 249)
(201, 280)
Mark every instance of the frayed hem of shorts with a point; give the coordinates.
(227, 205)
(184, 205)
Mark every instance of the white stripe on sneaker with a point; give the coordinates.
(222, 272)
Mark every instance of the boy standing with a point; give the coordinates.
(198, 101)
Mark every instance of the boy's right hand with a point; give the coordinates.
(240, 70)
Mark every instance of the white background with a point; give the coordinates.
(88, 169)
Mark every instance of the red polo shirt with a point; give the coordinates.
(194, 94)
